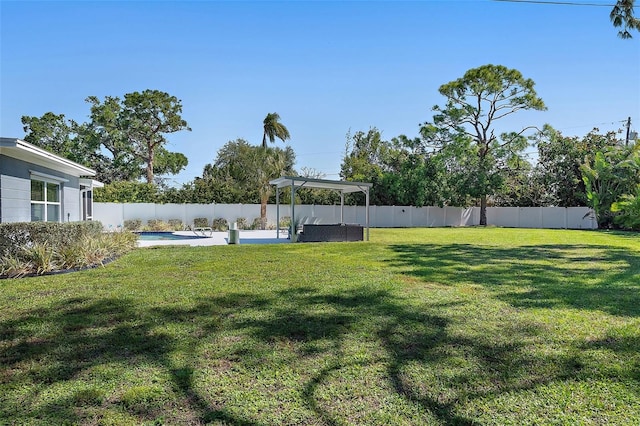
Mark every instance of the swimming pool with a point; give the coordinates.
(164, 236)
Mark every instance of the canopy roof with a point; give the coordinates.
(345, 187)
(338, 185)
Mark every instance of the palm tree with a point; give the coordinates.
(269, 164)
(622, 16)
(274, 129)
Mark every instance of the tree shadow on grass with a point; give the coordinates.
(407, 336)
(80, 334)
(67, 346)
(424, 361)
(402, 333)
(583, 277)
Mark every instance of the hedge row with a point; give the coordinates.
(15, 236)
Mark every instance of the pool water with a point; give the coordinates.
(161, 236)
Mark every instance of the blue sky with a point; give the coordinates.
(325, 67)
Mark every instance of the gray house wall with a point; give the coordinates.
(15, 191)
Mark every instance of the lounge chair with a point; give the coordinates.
(205, 231)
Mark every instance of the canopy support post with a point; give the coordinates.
(294, 226)
(277, 213)
(367, 211)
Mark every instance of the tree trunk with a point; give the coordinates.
(263, 213)
(150, 167)
(483, 210)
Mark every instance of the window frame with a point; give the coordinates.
(46, 180)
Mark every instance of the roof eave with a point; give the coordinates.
(25, 151)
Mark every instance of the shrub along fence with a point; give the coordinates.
(114, 215)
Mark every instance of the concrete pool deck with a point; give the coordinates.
(220, 239)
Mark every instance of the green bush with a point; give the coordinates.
(242, 223)
(15, 236)
(127, 192)
(201, 222)
(220, 224)
(132, 224)
(285, 222)
(628, 209)
(157, 225)
(176, 225)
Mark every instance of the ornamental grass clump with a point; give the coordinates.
(119, 243)
(158, 225)
(133, 224)
(176, 225)
(71, 256)
(14, 267)
(201, 222)
(220, 224)
(41, 248)
(242, 223)
(41, 256)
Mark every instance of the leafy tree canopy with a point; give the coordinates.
(124, 140)
(559, 161)
(243, 170)
(463, 130)
(137, 125)
(312, 195)
(401, 171)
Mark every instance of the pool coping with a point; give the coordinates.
(220, 238)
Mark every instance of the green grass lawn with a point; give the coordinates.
(417, 326)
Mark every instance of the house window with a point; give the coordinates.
(45, 201)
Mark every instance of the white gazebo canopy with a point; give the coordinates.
(343, 186)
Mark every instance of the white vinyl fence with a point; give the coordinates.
(113, 215)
